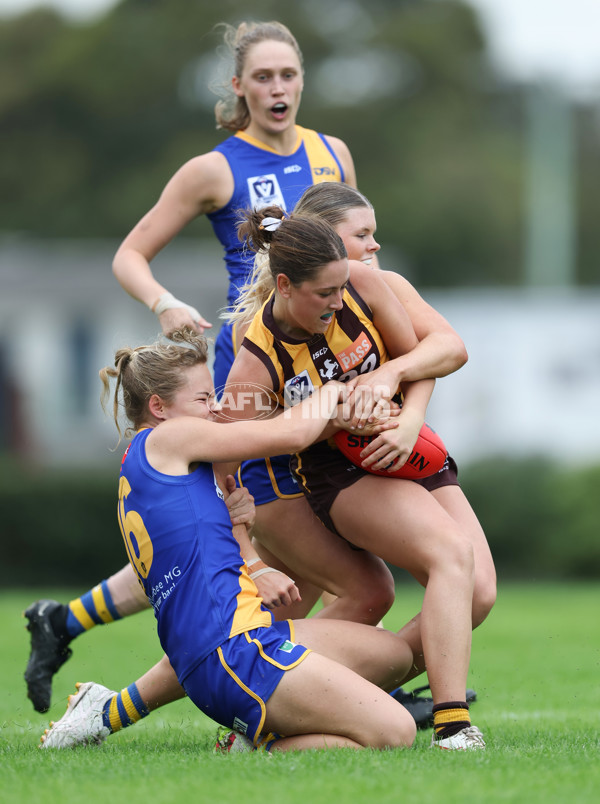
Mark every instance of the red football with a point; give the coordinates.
(428, 455)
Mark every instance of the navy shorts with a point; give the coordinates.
(233, 684)
(269, 479)
(330, 472)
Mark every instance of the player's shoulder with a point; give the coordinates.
(362, 277)
(206, 178)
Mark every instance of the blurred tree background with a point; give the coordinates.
(96, 117)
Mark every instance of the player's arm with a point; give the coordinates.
(274, 587)
(188, 440)
(372, 388)
(342, 152)
(201, 185)
(440, 350)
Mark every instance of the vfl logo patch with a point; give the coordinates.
(298, 388)
(264, 191)
(355, 353)
(287, 646)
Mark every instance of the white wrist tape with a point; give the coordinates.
(167, 301)
(253, 561)
(262, 571)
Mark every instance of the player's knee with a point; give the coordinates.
(374, 599)
(400, 733)
(368, 592)
(455, 557)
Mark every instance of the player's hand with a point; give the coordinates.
(186, 316)
(275, 587)
(392, 447)
(370, 396)
(240, 504)
(385, 417)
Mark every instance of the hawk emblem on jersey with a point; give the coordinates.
(328, 370)
(264, 191)
(298, 388)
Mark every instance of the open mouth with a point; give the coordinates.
(279, 109)
(327, 317)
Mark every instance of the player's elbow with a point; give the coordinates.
(461, 354)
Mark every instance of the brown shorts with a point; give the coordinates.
(322, 472)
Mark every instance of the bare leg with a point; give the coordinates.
(361, 582)
(159, 686)
(308, 591)
(453, 500)
(127, 593)
(404, 524)
(323, 703)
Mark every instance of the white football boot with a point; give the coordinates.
(82, 722)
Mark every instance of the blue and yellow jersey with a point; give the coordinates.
(263, 177)
(177, 534)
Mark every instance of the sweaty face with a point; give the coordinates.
(309, 308)
(357, 230)
(271, 82)
(195, 397)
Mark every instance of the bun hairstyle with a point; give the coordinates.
(298, 246)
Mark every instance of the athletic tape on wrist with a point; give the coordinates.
(262, 571)
(167, 301)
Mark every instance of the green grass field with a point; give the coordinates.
(535, 667)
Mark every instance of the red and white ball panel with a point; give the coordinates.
(427, 458)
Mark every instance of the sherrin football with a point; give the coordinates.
(428, 455)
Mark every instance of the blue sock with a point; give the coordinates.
(95, 607)
(124, 709)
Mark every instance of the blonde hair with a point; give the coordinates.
(331, 201)
(231, 111)
(144, 371)
(254, 293)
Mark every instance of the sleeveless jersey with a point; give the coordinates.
(350, 346)
(263, 177)
(186, 558)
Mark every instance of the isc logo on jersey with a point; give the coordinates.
(264, 191)
(298, 388)
(355, 353)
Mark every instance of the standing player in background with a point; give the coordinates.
(268, 159)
